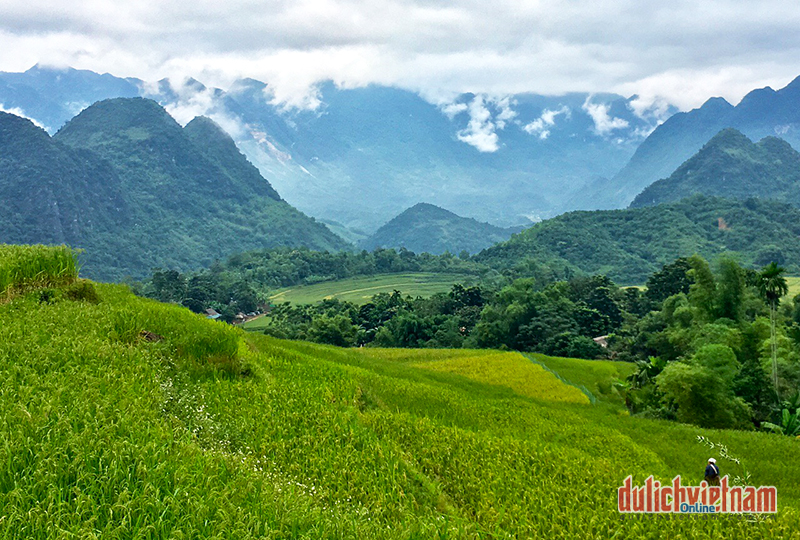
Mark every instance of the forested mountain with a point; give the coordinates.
(731, 165)
(761, 113)
(124, 180)
(363, 155)
(52, 193)
(628, 245)
(425, 228)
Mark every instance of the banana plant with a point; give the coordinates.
(646, 370)
(790, 424)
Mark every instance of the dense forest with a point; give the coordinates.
(243, 281)
(629, 245)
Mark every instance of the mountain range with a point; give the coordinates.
(359, 156)
(761, 113)
(125, 181)
(363, 155)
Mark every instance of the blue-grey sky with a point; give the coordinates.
(681, 50)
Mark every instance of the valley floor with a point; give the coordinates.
(360, 290)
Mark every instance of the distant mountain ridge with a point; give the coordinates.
(761, 113)
(366, 154)
(426, 228)
(125, 181)
(731, 165)
(53, 96)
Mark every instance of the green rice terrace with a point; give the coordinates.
(360, 289)
(126, 418)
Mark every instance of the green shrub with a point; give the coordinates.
(82, 290)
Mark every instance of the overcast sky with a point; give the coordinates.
(681, 50)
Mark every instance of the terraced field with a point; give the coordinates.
(125, 418)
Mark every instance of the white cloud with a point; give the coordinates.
(541, 126)
(19, 112)
(193, 101)
(604, 123)
(683, 51)
(654, 109)
(506, 113)
(451, 110)
(487, 115)
(480, 132)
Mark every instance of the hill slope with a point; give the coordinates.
(425, 228)
(207, 433)
(761, 113)
(125, 181)
(730, 165)
(629, 245)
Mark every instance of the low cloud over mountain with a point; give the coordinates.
(495, 48)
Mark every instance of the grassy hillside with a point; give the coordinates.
(127, 418)
(794, 286)
(596, 378)
(24, 267)
(629, 245)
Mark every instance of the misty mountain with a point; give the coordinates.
(761, 113)
(52, 97)
(425, 228)
(125, 181)
(628, 245)
(731, 165)
(365, 154)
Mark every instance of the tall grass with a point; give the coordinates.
(24, 267)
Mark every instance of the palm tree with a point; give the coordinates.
(772, 287)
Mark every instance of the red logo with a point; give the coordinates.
(656, 498)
